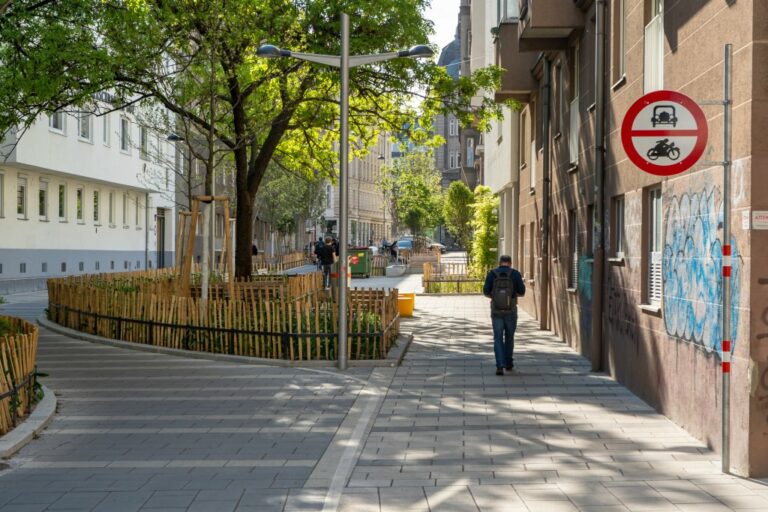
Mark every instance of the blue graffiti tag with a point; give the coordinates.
(692, 269)
(585, 291)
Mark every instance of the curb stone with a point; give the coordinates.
(20, 436)
(394, 358)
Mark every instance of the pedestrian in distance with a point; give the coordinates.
(503, 285)
(326, 257)
(318, 245)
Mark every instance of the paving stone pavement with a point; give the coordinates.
(141, 432)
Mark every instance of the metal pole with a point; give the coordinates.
(726, 346)
(545, 158)
(344, 189)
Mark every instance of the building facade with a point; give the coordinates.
(623, 265)
(370, 218)
(81, 193)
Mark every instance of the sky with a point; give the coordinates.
(445, 15)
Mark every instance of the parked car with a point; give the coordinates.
(436, 246)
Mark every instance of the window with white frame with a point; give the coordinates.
(618, 59)
(84, 126)
(452, 160)
(138, 212)
(105, 129)
(42, 194)
(96, 207)
(126, 207)
(573, 249)
(574, 114)
(452, 126)
(508, 10)
(458, 159)
(21, 197)
(125, 127)
(79, 197)
(653, 287)
(111, 209)
(617, 227)
(653, 71)
(470, 152)
(62, 202)
(56, 122)
(533, 165)
(143, 143)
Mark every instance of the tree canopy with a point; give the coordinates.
(457, 213)
(197, 59)
(412, 185)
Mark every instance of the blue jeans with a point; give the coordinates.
(504, 337)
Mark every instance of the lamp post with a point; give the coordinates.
(344, 62)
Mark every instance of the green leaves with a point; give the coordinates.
(458, 213)
(485, 222)
(412, 184)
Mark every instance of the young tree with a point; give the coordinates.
(412, 185)
(485, 222)
(458, 213)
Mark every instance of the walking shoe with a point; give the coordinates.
(499, 371)
(510, 366)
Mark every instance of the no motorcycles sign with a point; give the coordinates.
(664, 133)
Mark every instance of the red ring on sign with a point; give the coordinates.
(678, 167)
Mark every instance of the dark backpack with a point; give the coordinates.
(503, 296)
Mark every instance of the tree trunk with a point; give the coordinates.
(243, 233)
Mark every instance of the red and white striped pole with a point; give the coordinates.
(726, 345)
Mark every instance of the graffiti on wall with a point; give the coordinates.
(585, 293)
(621, 311)
(692, 268)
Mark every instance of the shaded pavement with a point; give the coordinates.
(138, 431)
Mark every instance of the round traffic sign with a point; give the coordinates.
(354, 260)
(664, 133)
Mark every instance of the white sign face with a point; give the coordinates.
(745, 218)
(664, 133)
(760, 219)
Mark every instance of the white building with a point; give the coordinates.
(74, 198)
(369, 214)
(500, 147)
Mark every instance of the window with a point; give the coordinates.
(533, 165)
(573, 109)
(22, 268)
(62, 202)
(589, 246)
(508, 10)
(470, 152)
(97, 265)
(43, 200)
(458, 159)
(617, 227)
(219, 229)
(126, 206)
(79, 205)
(452, 160)
(2, 195)
(96, 207)
(138, 213)
(63, 266)
(124, 134)
(653, 288)
(44, 267)
(143, 143)
(523, 250)
(523, 139)
(328, 196)
(84, 126)
(532, 250)
(452, 126)
(653, 71)
(56, 122)
(557, 81)
(105, 129)
(21, 197)
(573, 249)
(111, 209)
(81, 266)
(618, 58)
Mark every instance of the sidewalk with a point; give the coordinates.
(141, 432)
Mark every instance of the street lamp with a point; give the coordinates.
(344, 62)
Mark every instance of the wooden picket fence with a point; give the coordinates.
(259, 322)
(263, 264)
(18, 353)
(450, 278)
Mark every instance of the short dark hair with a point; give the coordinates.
(505, 259)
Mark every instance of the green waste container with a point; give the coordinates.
(360, 261)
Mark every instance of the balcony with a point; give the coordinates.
(517, 81)
(546, 24)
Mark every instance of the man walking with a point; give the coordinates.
(503, 285)
(325, 256)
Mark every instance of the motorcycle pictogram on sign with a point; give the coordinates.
(664, 133)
